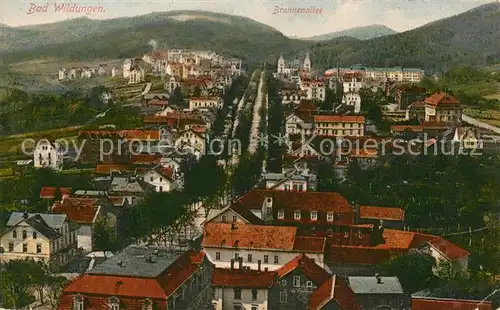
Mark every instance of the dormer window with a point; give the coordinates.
(114, 303)
(269, 210)
(14, 234)
(25, 234)
(78, 303)
(147, 305)
(297, 215)
(281, 214)
(329, 217)
(314, 215)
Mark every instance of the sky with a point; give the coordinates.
(336, 15)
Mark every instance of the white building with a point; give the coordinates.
(352, 100)
(259, 247)
(113, 72)
(136, 75)
(192, 137)
(352, 82)
(296, 125)
(307, 63)
(163, 179)
(315, 89)
(62, 74)
(127, 65)
(444, 251)
(48, 154)
(204, 103)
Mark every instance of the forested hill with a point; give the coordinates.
(470, 38)
(360, 33)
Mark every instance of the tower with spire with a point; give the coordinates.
(281, 65)
(307, 63)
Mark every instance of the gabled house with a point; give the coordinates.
(444, 251)
(48, 192)
(143, 278)
(339, 125)
(233, 213)
(376, 292)
(50, 238)
(193, 137)
(162, 178)
(439, 107)
(258, 247)
(82, 211)
(48, 154)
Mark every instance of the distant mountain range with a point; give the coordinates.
(471, 38)
(360, 33)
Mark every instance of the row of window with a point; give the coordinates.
(338, 124)
(250, 258)
(25, 247)
(24, 234)
(297, 215)
(340, 132)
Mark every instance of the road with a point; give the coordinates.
(479, 124)
(254, 131)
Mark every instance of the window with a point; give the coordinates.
(254, 294)
(309, 284)
(329, 217)
(266, 259)
(283, 283)
(114, 303)
(234, 218)
(25, 248)
(11, 247)
(249, 258)
(360, 235)
(161, 189)
(282, 296)
(281, 214)
(296, 281)
(151, 179)
(78, 304)
(269, 211)
(314, 215)
(161, 179)
(346, 234)
(25, 235)
(337, 216)
(296, 215)
(237, 293)
(224, 219)
(236, 256)
(38, 248)
(217, 255)
(255, 307)
(276, 259)
(14, 234)
(34, 235)
(237, 307)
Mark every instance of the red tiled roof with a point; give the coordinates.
(307, 266)
(108, 168)
(306, 105)
(50, 192)
(66, 302)
(401, 128)
(243, 278)
(238, 235)
(180, 271)
(309, 244)
(204, 98)
(335, 289)
(340, 118)
(448, 304)
(448, 249)
(145, 159)
(297, 200)
(442, 98)
(383, 213)
(158, 102)
(78, 210)
(129, 134)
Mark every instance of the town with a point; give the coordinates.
(199, 181)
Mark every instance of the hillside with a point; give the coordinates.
(470, 38)
(360, 33)
(84, 38)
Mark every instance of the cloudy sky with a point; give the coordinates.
(399, 15)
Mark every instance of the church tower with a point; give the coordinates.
(281, 65)
(307, 63)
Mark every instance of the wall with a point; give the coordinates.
(226, 295)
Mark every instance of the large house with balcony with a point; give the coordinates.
(50, 238)
(440, 107)
(143, 278)
(48, 154)
(204, 104)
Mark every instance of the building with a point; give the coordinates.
(293, 96)
(444, 251)
(82, 211)
(127, 66)
(162, 178)
(352, 101)
(143, 278)
(352, 82)
(136, 74)
(50, 238)
(439, 107)
(339, 125)
(204, 104)
(48, 154)
(307, 63)
(379, 292)
(390, 217)
(62, 74)
(234, 213)
(259, 247)
(316, 89)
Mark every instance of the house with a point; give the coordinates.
(114, 72)
(379, 292)
(50, 238)
(161, 178)
(352, 82)
(296, 179)
(292, 96)
(193, 137)
(259, 247)
(298, 124)
(86, 73)
(82, 211)
(234, 213)
(238, 288)
(102, 70)
(316, 89)
(204, 104)
(136, 74)
(431, 303)
(352, 101)
(143, 278)
(127, 66)
(62, 74)
(439, 107)
(48, 154)
(468, 138)
(72, 74)
(444, 251)
(339, 125)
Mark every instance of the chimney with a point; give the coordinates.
(259, 264)
(233, 226)
(240, 263)
(232, 263)
(379, 279)
(25, 215)
(266, 269)
(120, 263)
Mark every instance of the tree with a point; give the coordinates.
(197, 91)
(176, 99)
(104, 236)
(328, 180)
(413, 270)
(330, 100)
